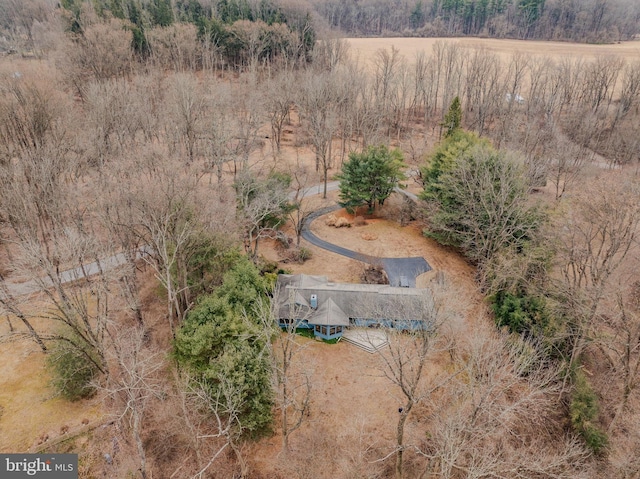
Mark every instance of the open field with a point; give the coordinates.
(365, 48)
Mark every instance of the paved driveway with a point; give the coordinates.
(400, 271)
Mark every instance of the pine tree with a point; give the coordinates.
(370, 177)
(223, 346)
(453, 119)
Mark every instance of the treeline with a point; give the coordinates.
(594, 21)
(232, 33)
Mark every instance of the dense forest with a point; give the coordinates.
(292, 26)
(154, 161)
(595, 21)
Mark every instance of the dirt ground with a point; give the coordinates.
(381, 236)
(354, 407)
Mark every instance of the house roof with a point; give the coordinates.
(291, 302)
(300, 281)
(363, 301)
(329, 313)
(300, 301)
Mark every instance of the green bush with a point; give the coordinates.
(584, 413)
(305, 254)
(305, 332)
(522, 314)
(222, 343)
(72, 371)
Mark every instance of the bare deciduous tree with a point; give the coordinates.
(134, 383)
(488, 420)
(620, 340)
(11, 305)
(225, 409)
(292, 377)
(248, 106)
(262, 205)
(596, 240)
(317, 105)
(566, 164)
(102, 51)
(484, 90)
(280, 98)
(31, 117)
(412, 345)
(176, 47)
(187, 109)
(301, 207)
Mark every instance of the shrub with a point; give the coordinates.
(304, 254)
(295, 255)
(374, 274)
(266, 265)
(342, 223)
(584, 413)
(522, 314)
(305, 332)
(72, 371)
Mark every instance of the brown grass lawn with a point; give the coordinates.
(29, 409)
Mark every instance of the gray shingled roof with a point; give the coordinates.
(364, 301)
(329, 314)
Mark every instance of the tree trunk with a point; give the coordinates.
(324, 191)
(244, 467)
(169, 300)
(139, 445)
(400, 437)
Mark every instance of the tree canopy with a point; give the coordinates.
(477, 199)
(447, 152)
(222, 345)
(370, 177)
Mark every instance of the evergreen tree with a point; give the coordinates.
(370, 177)
(479, 204)
(444, 158)
(453, 119)
(417, 15)
(161, 12)
(224, 347)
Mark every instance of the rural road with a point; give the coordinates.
(84, 271)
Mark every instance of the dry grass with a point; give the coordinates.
(30, 409)
(365, 48)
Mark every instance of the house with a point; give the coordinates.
(329, 308)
